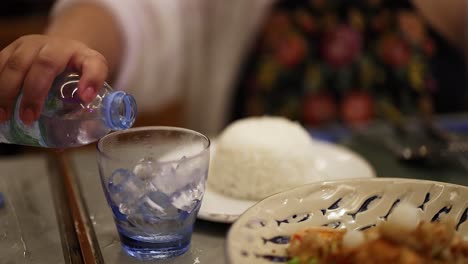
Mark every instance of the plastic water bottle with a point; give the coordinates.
(66, 121)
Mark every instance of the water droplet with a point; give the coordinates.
(93, 220)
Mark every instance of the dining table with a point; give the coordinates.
(54, 209)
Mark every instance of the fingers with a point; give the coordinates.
(50, 61)
(94, 71)
(5, 55)
(16, 63)
(31, 63)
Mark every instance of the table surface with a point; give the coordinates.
(28, 223)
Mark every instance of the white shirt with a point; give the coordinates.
(190, 49)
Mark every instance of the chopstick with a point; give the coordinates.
(79, 241)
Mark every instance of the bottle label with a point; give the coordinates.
(22, 134)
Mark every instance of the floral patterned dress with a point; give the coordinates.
(323, 61)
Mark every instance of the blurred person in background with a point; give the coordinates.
(315, 61)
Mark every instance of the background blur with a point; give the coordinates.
(20, 17)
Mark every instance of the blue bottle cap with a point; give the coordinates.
(120, 110)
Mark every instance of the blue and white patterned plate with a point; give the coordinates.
(262, 233)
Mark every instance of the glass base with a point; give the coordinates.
(145, 250)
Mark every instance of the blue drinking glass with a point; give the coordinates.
(154, 181)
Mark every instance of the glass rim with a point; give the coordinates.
(152, 128)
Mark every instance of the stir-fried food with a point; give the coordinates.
(390, 242)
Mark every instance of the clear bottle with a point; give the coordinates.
(66, 121)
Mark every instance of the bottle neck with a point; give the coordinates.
(120, 110)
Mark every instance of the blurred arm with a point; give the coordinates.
(142, 40)
(93, 25)
(448, 17)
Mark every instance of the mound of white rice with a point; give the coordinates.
(259, 156)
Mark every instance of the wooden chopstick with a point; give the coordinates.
(84, 238)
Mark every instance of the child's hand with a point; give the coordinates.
(32, 62)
